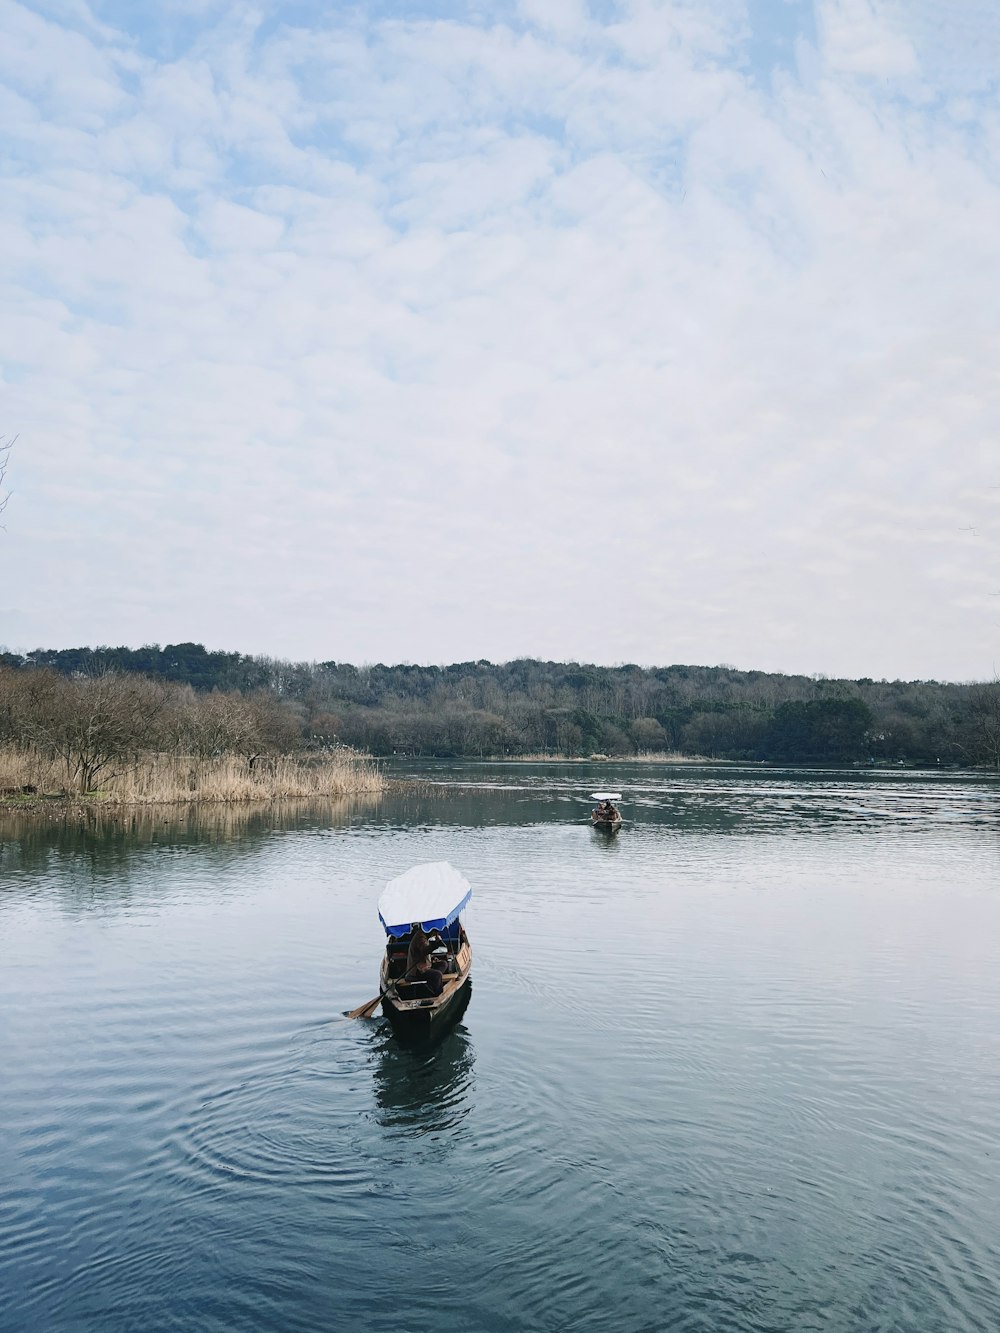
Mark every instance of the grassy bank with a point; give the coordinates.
(28, 777)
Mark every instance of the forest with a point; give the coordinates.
(528, 707)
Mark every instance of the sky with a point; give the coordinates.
(655, 332)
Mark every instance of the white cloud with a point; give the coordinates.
(865, 37)
(307, 322)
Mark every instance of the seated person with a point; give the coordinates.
(419, 949)
(432, 977)
(418, 963)
(443, 960)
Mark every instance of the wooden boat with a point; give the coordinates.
(607, 825)
(606, 817)
(433, 896)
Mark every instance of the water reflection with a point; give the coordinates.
(29, 840)
(697, 801)
(607, 841)
(424, 1086)
(192, 1137)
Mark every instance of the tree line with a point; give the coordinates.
(480, 708)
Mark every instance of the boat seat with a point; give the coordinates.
(417, 990)
(414, 990)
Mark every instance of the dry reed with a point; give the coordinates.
(159, 779)
(20, 767)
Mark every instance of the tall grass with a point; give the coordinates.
(22, 767)
(158, 779)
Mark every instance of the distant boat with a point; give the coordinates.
(431, 895)
(606, 816)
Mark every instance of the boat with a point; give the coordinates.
(606, 817)
(431, 895)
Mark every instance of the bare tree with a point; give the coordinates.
(251, 725)
(10, 698)
(92, 723)
(5, 447)
(984, 723)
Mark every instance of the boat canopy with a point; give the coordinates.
(432, 894)
(605, 795)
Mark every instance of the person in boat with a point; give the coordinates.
(606, 810)
(441, 958)
(419, 949)
(418, 962)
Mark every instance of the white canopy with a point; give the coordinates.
(432, 894)
(605, 795)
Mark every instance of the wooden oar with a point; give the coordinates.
(366, 1010)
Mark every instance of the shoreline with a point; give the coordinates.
(667, 757)
(695, 761)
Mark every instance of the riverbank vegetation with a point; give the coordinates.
(135, 740)
(238, 704)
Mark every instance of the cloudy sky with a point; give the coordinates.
(424, 330)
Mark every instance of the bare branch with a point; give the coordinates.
(5, 447)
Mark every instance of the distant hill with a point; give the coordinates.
(528, 706)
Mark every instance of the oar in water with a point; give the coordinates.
(366, 1010)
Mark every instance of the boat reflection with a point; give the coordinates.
(606, 838)
(425, 1085)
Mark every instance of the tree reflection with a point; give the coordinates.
(120, 834)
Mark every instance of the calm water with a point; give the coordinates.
(738, 1068)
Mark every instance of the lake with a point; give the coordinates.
(736, 1068)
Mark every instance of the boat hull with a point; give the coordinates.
(429, 1018)
(423, 1016)
(607, 825)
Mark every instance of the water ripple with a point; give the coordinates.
(737, 1069)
